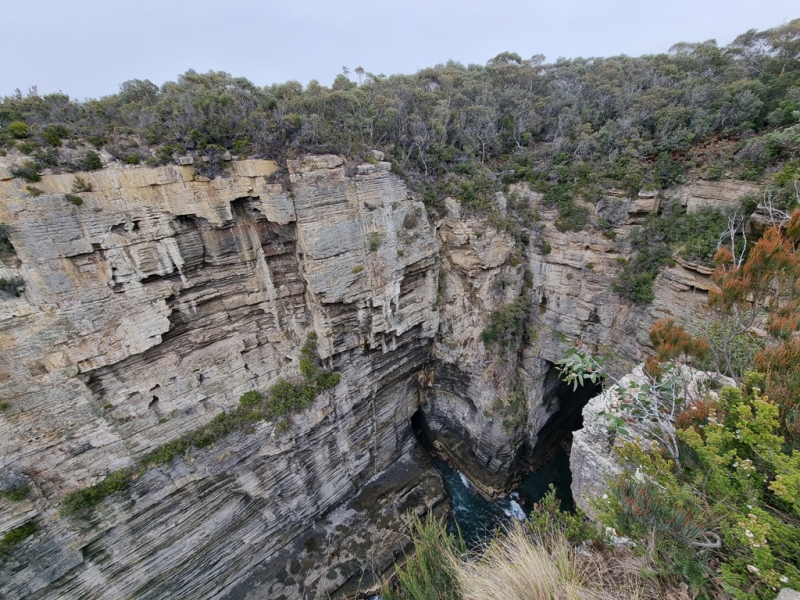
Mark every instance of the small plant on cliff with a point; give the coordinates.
(374, 241)
(79, 184)
(5, 243)
(18, 494)
(508, 325)
(15, 536)
(79, 500)
(73, 199)
(12, 285)
(29, 171)
(92, 162)
(431, 572)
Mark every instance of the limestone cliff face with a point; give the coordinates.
(153, 306)
(570, 288)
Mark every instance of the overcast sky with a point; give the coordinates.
(86, 48)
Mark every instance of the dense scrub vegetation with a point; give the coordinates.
(570, 128)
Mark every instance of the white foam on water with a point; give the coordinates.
(516, 511)
(464, 480)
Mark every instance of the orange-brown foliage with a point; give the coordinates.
(781, 366)
(672, 341)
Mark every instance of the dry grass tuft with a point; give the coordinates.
(518, 566)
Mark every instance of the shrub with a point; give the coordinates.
(79, 500)
(358, 269)
(18, 129)
(285, 397)
(29, 171)
(133, 159)
(17, 494)
(731, 503)
(92, 162)
(251, 398)
(411, 220)
(374, 241)
(545, 247)
(5, 242)
(508, 324)
(12, 285)
(34, 191)
(54, 134)
(16, 535)
(73, 199)
(571, 217)
(79, 184)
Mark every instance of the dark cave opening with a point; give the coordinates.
(567, 415)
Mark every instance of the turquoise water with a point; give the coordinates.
(477, 518)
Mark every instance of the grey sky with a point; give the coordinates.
(86, 48)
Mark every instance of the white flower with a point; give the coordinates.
(753, 569)
(784, 579)
(605, 496)
(736, 464)
(748, 533)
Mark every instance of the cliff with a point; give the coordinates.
(152, 307)
(155, 301)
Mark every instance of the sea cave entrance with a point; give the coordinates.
(477, 517)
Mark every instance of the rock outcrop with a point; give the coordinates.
(151, 307)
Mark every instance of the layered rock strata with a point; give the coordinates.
(156, 298)
(151, 307)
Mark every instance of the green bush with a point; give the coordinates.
(79, 500)
(508, 324)
(15, 536)
(92, 162)
(18, 494)
(374, 241)
(73, 199)
(285, 397)
(251, 398)
(79, 184)
(29, 171)
(54, 134)
(18, 129)
(736, 482)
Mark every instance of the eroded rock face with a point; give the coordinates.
(151, 307)
(593, 461)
